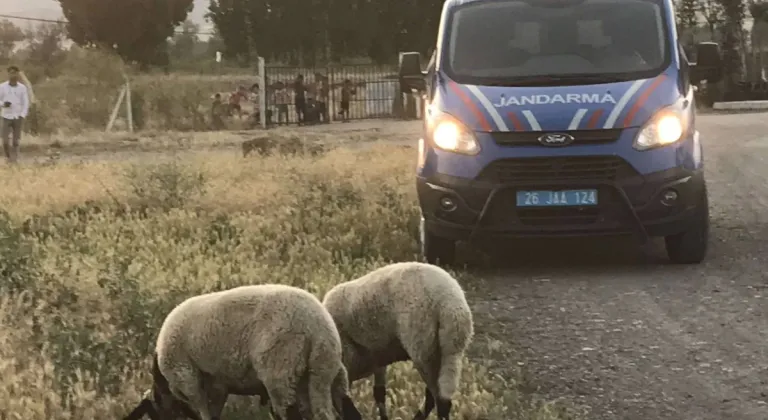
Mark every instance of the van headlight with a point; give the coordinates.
(449, 134)
(665, 128)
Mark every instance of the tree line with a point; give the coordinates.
(297, 32)
(310, 32)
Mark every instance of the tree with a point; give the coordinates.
(733, 30)
(232, 24)
(44, 48)
(309, 31)
(713, 14)
(686, 17)
(184, 43)
(137, 30)
(10, 34)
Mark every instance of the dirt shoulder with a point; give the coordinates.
(624, 335)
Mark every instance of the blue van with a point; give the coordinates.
(548, 118)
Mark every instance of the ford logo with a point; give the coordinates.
(556, 139)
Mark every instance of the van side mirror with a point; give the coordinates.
(708, 65)
(410, 72)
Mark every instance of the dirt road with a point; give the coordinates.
(625, 335)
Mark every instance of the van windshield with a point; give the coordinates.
(541, 42)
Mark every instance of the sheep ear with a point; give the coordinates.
(144, 408)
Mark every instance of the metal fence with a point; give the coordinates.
(333, 93)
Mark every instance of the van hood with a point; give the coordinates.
(556, 108)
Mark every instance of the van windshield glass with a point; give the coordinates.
(519, 42)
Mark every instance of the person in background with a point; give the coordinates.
(321, 96)
(281, 98)
(299, 97)
(234, 101)
(217, 113)
(256, 102)
(347, 91)
(14, 99)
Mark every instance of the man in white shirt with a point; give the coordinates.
(14, 107)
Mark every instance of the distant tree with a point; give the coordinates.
(686, 16)
(733, 31)
(184, 43)
(10, 34)
(137, 30)
(713, 13)
(45, 49)
(232, 24)
(759, 11)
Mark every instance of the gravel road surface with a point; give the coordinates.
(625, 335)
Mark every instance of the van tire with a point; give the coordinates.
(690, 246)
(435, 249)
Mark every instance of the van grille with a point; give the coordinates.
(560, 168)
(531, 138)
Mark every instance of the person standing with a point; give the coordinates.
(14, 98)
(347, 91)
(281, 98)
(321, 96)
(300, 98)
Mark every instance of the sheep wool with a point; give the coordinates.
(404, 311)
(251, 340)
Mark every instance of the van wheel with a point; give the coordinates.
(690, 246)
(437, 250)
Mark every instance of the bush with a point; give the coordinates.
(105, 276)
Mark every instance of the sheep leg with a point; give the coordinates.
(429, 371)
(443, 408)
(282, 396)
(429, 405)
(189, 384)
(341, 400)
(380, 391)
(218, 398)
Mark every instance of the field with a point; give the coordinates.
(84, 95)
(101, 241)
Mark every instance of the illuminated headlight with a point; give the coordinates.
(453, 136)
(664, 129)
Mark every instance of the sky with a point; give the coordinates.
(49, 9)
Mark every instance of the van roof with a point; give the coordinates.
(455, 3)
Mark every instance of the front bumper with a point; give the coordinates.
(628, 205)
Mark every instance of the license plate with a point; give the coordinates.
(557, 198)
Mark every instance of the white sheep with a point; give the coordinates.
(404, 311)
(274, 341)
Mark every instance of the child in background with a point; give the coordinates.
(347, 91)
(281, 98)
(234, 101)
(217, 112)
(256, 102)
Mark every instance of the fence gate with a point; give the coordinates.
(372, 89)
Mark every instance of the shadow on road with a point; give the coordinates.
(605, 257)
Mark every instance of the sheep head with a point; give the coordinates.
(159, 405)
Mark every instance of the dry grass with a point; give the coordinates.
(95, 255)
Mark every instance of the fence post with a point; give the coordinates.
(116, 109)
(331, 99)
(262, 92)
(128, 105)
